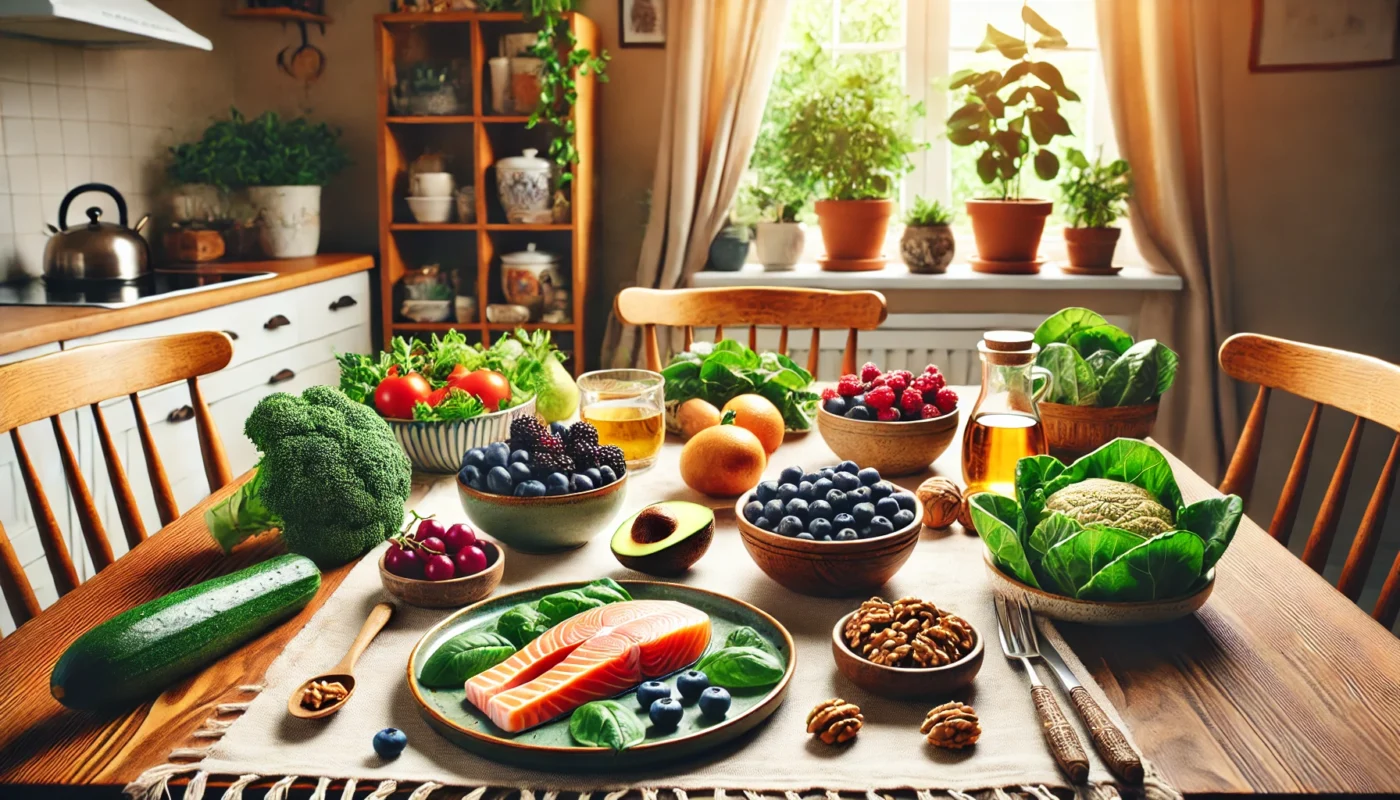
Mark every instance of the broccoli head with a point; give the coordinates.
(332, 478)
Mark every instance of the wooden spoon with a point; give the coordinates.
(344, 672)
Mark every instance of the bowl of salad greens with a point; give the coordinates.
(721, 371)
(444, 396)
(1105, 540)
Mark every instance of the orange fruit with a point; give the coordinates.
(723, 461)
(695, 415)
(758, 414)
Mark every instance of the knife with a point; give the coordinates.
(1120, 756)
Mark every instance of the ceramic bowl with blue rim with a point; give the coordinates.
(439, 446)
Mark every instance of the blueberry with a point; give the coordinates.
(580, 483)
(790, 526)
(765, 491)
(902, 519)
(470, 475)
(714, 703)
(531, 488)
(475, 457)
(797, 507)
(389, 742)
(753, 510)
(860, 412)
(773, 509)
(804, 535)
(666, 713)
(497, 454)
(595, 475)
(820, 509)
(499, 481)
(520, 472)
(847, 535)
(860, 495)
(843, 521)
(787, 491)
(835, 405)
(863, 513)
(886, 506)
(690, 684)
(848, 466)
(857, 400)
(822, 486)
(820, 528)
(869, 476)
(556, 483)
(879, 526)
(811, 477)
(607, 474)
(519, 457)
(845, 481)
(838, 500)
(764, 523)
(807, 491)
(881, 490)
(558, 429)
(827, 472)
(906, 501)
(651, 691)
(790, 475)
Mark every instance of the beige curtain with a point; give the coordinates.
(1162, 63)
(720, 59)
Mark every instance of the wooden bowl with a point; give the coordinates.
(1097, 612)
(1072, 431)
(453, 593)
(828, 569)
(893, 448)
(903, 683)
(546, 524)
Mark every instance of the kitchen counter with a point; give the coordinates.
(22, 327)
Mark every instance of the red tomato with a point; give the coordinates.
(437, 396)
(457, 372)
(491, 387)
(396, 395)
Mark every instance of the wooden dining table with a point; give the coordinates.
(1278, 685)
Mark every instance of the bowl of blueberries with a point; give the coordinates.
(837, 531)
(546, 488)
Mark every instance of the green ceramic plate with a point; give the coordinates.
(549, 746)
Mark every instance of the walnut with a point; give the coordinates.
(907, 633)
(952, 726)
(319, 694)
(942, 500)
(872, 615)
(835, 721)
(965, 517)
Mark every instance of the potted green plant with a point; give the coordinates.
(927, 244)
(1094, 196)
(284, 164)
(850, 137)
(730, 247)
(779, 237)
(1011, 116)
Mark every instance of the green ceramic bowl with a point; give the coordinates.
(549, 746)
(544, 524)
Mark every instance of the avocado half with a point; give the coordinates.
(664, 539)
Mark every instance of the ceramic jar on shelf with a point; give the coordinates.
(523, 182)
(531, 278)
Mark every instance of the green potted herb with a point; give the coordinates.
(730, 247)
(779, 238)
(284, 165)
(1011, 116)
(1094, 196)
(927, 243)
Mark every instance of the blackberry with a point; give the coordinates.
(581, 434)
(611, 455)
(548, 443)
(548, 462)
(525, 433)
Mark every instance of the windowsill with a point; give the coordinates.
(958, 276)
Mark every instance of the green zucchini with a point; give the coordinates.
(139, 653)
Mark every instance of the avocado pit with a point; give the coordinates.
(653, 524)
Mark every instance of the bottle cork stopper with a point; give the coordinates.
(1008, 341)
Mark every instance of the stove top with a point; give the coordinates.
(158, 285)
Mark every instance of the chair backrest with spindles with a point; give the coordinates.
(51, 385)
(1366, 387)
(752, 306)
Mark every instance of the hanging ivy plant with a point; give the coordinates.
(562, 62)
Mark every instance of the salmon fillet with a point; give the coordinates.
(599, 653)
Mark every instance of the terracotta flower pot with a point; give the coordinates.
(1008, 230)
(927, 249)
(853, 232)
(1091, 248)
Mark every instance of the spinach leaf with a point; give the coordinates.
(1166, 367)
(463, 656)
(744, 636)
(1128, 460)
(720, 372)
(1100, 362)
(998, 521)
(1061, 325)
(1215, 521)
(557, 607)
(1032, 473)
(741, 667)
(1074, 381)
(1132, 380)
(1072, 562)
(606, 590)
(1101, 337)
(522, 624)
(1051, 531)
(606, 723)
(1165, 566)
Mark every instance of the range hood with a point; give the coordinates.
(96, 23)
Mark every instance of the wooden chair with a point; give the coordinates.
(752, 306)
(51, 385)
(1361, 385)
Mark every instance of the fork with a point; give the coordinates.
(1018, 641)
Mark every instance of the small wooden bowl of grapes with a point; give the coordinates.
(441, 566)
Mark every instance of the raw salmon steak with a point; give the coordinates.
(599, 653)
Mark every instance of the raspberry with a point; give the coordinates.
(878, 380)
(828, 393)
(869, 371)
(848, 386)
(896, 381)
(911, 400)
(936, 379)
(947, 400)
(923, 384)
(930, 411)
(880, 398)
(931, 370)
(903, 373)
(890, 414)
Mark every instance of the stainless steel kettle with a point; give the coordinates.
(97, 250)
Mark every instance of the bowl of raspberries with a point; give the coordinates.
(546, 488)
(898, 422)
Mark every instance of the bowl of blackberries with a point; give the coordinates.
(896, 421)
(837, 531)
(546, 488)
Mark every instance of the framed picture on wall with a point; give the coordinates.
(1292, 35)
(642, 23)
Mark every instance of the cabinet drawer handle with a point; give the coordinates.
(282, 376)
(180, 414)
(345, 301)
(276, 322)
(232, 335)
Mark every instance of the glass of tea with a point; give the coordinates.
(628, 408)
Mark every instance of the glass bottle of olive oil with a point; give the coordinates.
(1004, 425)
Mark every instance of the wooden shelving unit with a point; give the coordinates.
(280, 15)
(473, 142)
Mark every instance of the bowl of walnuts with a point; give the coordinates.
(908, 648)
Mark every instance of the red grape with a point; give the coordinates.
(406, 563)
(433, 545)
(470, 560)
(439, 568)
(429, 529)
(458, 536)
